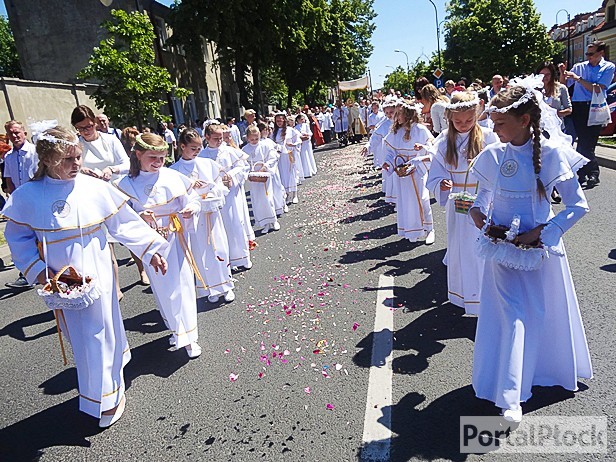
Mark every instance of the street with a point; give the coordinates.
(286, 372)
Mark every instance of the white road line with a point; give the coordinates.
(377, 420)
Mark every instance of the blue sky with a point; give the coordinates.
(410, 25)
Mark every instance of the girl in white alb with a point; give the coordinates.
(405, 145)
(208, 239)
(449, 174)
(263, 160)
(289, 141)
(306, 154)
(62, 218)
(280, 195)
(235, 211)
(166, 201)
(530, 330)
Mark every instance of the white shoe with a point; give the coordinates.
(248, 265)
(193, 350)
(295, 200)
(213, 298)
(286, 208)
(235, 268)
(512, 415)
(276, 226)
(229, 296)
(265, 229)
(109, 420)
(430, 238)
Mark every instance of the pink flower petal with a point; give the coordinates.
(329, 407)
(233, 377)
(307, 390)
(355, 326)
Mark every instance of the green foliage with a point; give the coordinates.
(132, 86)
(308, 44)
(398, 80)
(9, 60)
(484, 37)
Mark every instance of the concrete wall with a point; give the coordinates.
(24, 99)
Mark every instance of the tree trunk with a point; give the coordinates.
(257, 97)
(240, 78)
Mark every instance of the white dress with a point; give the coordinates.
(105, 151)
(289, 159)
(375, 146)
(235, 211)
(208, 239)
(530, 330)
(250, 233)
(54, 211)
(414, 214)
(262, 194)
(280, 195)
(309, 166)
(464, 266)
(165, 193)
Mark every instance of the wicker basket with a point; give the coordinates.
(258, 176)
(402, 169)
(68, 290)
(464, 200)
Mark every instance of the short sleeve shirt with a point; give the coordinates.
(21, 164)
(602, 73)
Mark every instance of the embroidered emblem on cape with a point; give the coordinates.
(149, 190)
(509, 168)
(193, 175)
(60, 209)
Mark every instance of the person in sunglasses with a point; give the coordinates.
(593, 75)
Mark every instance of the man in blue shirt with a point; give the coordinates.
(596, 75)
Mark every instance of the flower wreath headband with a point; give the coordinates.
(149, 147)
(525, 98)
(406, 105)
(463, 104)
(38, 130)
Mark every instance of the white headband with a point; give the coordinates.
(38, 130)
(526, 97)
(463, 104)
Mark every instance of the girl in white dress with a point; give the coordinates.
(262, 159)
(405, 145)
(166, 201)
(235, 211)
(208, 239)
(449, 173)
(280, 195)
(530, 329)
(62, 213)
(306, 154)
(289, 141)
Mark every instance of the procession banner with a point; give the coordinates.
(357, 84)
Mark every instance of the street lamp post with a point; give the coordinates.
(568, 33)
(408, 72)
(438, 34)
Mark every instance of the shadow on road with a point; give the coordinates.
(612, 267)
(17, 328)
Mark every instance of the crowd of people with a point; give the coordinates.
(177, 200)
(494, 157)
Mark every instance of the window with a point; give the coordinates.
(162, 30)
(178, 113)
(192, 108)
(611, 12)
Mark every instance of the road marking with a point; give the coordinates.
(376, 441)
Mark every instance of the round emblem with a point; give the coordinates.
(60, 209)
(509, 168)
(149, 190)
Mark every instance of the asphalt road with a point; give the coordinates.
(297, 343)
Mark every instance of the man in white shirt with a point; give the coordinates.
(20, 164)
(497, 85)
(169, 137)
(102, 125)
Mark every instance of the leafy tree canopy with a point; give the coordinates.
(132, 87)
(485, 37)
(9, 59)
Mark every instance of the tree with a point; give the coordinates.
(9, 59)
(309, 44)
(399, 80)
(132, 87)
(485, 37)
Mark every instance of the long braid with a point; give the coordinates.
(537, 152)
